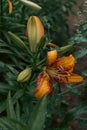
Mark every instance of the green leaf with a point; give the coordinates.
(12, 124)
(37, 118)
(10, 108)
(79, 54)
(5, 51)
(21, 125)
(84, 73)
(17, 111)
(75, 113)
(4, 88)
(15, 98)
(65, 49)
(6, 125)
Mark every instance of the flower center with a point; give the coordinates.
(59, 73)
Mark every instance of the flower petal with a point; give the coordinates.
(43, 85)
(51, 57)
(69, 79)
(74, 78)
(67, 62)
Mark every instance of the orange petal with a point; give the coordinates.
(70, 70)
(10, 6)
(51, 57)
(69, 79)
(40, 28)
(43, 85)
(74, 78)
(67, 62)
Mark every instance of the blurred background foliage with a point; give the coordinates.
(16, 106)
(53, 15)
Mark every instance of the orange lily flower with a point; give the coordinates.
(61, 70)
(10, 6)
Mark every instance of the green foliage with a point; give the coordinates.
(75, 113)
(19, 109)
(38, 115)
(57, 31)
(13, 120)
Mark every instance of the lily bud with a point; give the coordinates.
(24, 75)
(17, 40)
(31, 4)
(10, 6)
(35, 31)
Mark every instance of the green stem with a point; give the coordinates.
(33, 56)
(59, 88)
(41, 61)
(28, 51)
(34, 61)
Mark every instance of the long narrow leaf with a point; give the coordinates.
(15, 98)
(10, 108)
(37, 118)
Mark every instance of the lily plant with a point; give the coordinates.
(58, 69)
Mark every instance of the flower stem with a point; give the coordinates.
(59, 88)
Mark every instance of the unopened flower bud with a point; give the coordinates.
(24, 75)
(10, 6)
(17, 40)
(35, 31)
(31, 4)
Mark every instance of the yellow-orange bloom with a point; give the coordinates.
(10, 6)
(61, 70)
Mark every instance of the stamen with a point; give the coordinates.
(59, 74)
(62, 70)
